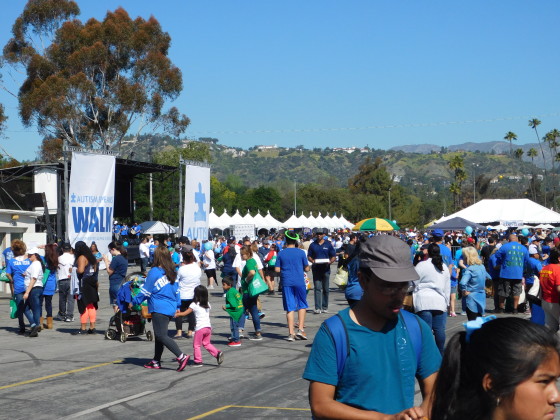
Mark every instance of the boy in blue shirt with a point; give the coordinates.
(380, 369)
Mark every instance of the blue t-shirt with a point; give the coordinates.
(8, 255)
(119, 265)
(532, 269)
(372, 379)
(512, 257)
(445, 254)
(292, 261)
(321, 251)
(124, 230)
(353, 289)
(16, 267)
(176, 258)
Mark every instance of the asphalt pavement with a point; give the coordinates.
(59, 375)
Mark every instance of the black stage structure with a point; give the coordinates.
(17, 189)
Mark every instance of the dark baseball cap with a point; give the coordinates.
(389, 259)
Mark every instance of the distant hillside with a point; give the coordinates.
(492, 147)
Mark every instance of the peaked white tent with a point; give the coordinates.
(156, 227)
(225, 220)
(259, 221)
(520, 210)
(271, 221)
(311, 221)
(248, 219)
(293, 222)
(214, 220)
(303, 220)
(237, 219)
(345, 223)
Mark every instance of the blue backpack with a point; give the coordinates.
(337, 328)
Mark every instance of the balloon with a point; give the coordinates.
(468, 230)
(125, 244)
(525, 232)
(207, 246)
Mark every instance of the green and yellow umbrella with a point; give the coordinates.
(375, 223)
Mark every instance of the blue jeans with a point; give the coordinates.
(234, 325)
(113, 291)
(22, 309)
(250, 303)
(34, 302)
(144, 264)
(436, 320)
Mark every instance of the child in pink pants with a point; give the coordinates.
(203, 329)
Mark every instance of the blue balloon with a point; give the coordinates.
(125, 244)
(468, 230)
(525, 232)
(207, 246)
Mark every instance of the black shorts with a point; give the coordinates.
(509, 287)
(210, 273)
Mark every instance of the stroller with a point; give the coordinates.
(130, 320)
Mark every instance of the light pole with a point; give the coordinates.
(295, 196)
(474, 166)
(390, 218)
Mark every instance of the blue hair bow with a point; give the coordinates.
(474, 325)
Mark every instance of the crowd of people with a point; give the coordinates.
(431, 274)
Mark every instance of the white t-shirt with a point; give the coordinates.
(144, 250)
(240, 262)
(33, 271)
(188, 277)
(209, 260)
(202, 316)
(65, 263)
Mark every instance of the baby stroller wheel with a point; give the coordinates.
(149, 336)
(122, 337)
(110, 334)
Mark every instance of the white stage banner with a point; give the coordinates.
(197, 202)
(92, 194)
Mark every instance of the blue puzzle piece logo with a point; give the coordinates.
(200, 199)
(73, 198)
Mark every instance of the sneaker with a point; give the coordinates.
(220, 357)
(271, 293)
(463, 314)
(69, 319)
(325, 311)
(499, 311)
(291, 337)
(452, 314)
(80, 332)
(210, 287)
(317, 311)
(197, 364)
(183, 363)
(256, 337)
(21, 331)
(301, 335)
(91, 331)
(234, 344)
(152, 365)
(34, 331)
(261, 315)
(60, 317)
(247, 316)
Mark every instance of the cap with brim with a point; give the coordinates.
(34, 250)
(533, 250)
(388, 258)
(437, 232)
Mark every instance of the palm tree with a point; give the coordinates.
(534, 123)
(532, 153)
(551, 139)
(510, 136)
(518, 153)
(457, 164)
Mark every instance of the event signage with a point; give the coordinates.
(512, 223)
(197, 201)
(91, 199)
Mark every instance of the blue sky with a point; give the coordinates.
(346, 73)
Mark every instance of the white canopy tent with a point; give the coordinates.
(237, 219)
(345, 223)
(303, 220)
(272, 222)
(214, 220)
(311, 221)
(514, 210)
(248, 219)
(225, 220)
(157, 228)
(260, 222)
(293, 222)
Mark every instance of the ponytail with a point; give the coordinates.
(435, 254)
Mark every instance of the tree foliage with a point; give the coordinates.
(92, 83)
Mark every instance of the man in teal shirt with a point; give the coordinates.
(380, 369)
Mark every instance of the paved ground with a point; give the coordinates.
(58, 375)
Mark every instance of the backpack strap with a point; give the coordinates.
(415, 333)
(338, 331)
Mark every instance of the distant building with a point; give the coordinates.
(350, 149)
(271, 147)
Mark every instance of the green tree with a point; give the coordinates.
(518, 154)
(372, 178)
(534, 123)
(510, 136)
(261, 198)
(457, 165)
(93, 82)
(221, 198)
(193, 150)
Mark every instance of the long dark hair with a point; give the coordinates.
(188, 256)
(80, 248)
(435, 254)
(509, 350)
(119, 247)
(51, 256)
(201, 296)
(162, 259)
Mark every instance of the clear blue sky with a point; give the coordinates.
(347, 73)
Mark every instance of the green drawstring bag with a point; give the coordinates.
(13, 308)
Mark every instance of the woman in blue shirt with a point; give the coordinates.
(162, 292)
(15, 271)
(473, 282)
(117, 270)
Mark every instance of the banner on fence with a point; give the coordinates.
(197, 202)
(91, 199)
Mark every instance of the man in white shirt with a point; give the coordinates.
(144, 250)
(63, 273)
